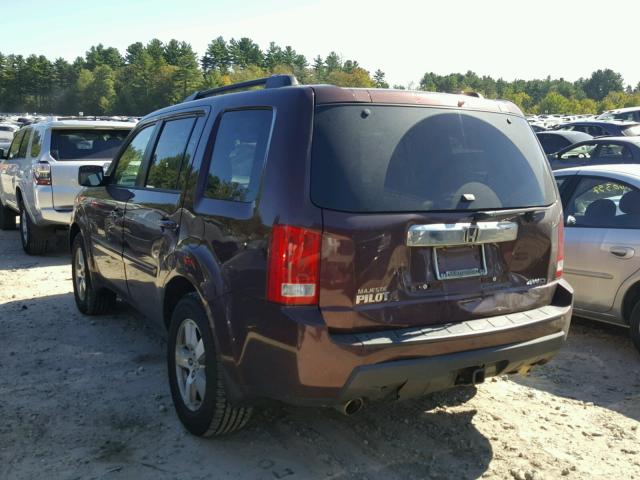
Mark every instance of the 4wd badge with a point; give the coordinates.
(372, 295)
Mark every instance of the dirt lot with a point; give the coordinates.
(88, 398)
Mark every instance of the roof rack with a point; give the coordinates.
(91, 118)
(274, 81)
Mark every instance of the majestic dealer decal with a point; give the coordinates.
(372, 295)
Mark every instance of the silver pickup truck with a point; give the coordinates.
(39, 173)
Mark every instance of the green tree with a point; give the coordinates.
(378, 79)
(245, 52)
(217, 57)
(601, 83)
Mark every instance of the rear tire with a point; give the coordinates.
(634, 326)
(198, 391)
(7, 218)
(89, 300)
(34, 238)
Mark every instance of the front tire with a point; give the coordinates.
(89, 300)
(198, 391)
(34, 238)
(7, 218)
(634, 326)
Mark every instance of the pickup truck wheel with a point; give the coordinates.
(34, 238)
(634, 325)
(198, 391)
(89, 300)
(7, 218)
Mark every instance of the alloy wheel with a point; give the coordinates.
(24, 230)
(190, 364)
(80, 274)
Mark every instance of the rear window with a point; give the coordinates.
(399, 159)
(86, 144)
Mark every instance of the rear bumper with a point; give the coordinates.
(51, 216)
(291, 355)
(411, 378)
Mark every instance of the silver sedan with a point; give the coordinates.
(602, 242)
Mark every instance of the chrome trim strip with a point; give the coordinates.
(450, 234)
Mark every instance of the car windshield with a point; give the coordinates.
(404, 158)
(86, 144)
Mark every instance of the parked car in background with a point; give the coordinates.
(7, 130)
(602, 242)
(597, 151)
(602, 128)
(390, 257)
(555, 140)
(537, 128)
(39, 173)
(631, 114)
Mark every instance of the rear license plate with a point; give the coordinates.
(459, 262)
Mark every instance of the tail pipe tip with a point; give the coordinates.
(350, 407)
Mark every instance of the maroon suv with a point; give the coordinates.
(327, 246)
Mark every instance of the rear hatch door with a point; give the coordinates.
(71, 148)
(430, 215)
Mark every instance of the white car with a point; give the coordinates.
(602, 242)
(631, 114)
(39, 173)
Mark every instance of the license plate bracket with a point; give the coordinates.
(451, 263)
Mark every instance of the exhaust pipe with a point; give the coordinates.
(351, 407)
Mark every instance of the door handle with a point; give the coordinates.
(167, 224)
(622, 252)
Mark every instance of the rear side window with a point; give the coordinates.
(22, 153)
(238, 155)
(614, 152)
(400, 159)
(36, 144)
(15, 144)
(79, 144)
(131, 160)
(168, 155)
(603, 203)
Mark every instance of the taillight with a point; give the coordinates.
(42, 173)
(294, 265)
(560, 250)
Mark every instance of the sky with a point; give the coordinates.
(404, 38)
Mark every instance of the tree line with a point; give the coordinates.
(147, 77)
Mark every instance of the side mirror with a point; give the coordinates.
(90, 175)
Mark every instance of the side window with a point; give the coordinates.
(15, 144)
(238, 156)
(130, 161)
(604, 203)
(166, 161)
(560, 181)
(36, 143)
(581, 151)
(613, 152)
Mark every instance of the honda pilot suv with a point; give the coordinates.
(39, 173)
(327, 246)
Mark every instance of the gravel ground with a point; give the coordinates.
(88, 398)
